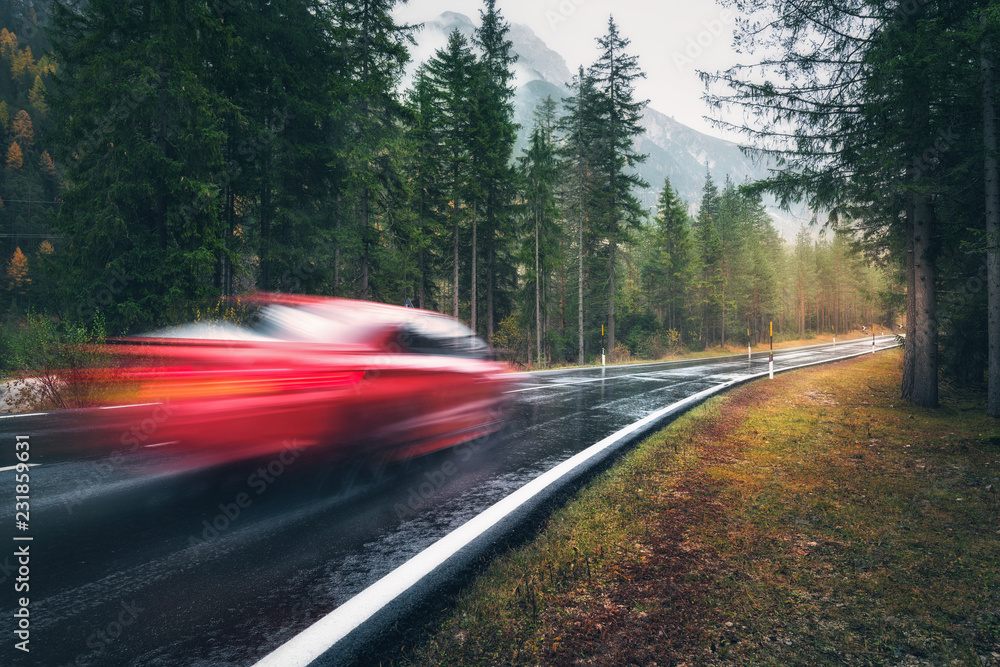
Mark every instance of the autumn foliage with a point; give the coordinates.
(17, 272)
(15, 157)
(24, 132)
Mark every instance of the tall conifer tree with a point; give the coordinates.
(615, 73)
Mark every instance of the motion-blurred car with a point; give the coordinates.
(337, 376)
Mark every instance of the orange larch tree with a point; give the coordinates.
(15, 158)
(24, 132)
(17, 272)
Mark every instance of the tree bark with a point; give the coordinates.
(454, 281)
(365, 251)
(925, 380)
(474, 304)
(992, 228)
(611, 302)
(580, 290)
(423, 280)
(538, 294)
(906, 390)
(490, 286)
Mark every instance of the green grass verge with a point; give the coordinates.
(814, 519)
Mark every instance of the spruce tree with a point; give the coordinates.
(450, 75)
(493, 150)
(373, 53)
(670, 262)
(540, 174)
(581, 130)
(141, 140)
(614, 74)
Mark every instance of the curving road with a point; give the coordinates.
(132, 563)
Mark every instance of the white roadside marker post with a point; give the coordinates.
(770, 359)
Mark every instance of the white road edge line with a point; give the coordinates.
(25, 414)
(314, 641)
(317, 638)
(13, 467)
(118, 407)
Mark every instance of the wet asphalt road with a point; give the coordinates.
(131, 564)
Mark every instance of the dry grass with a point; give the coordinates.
(813, 519)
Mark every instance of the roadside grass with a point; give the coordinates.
(810, 520)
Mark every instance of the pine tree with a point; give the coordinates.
(428, 201)
(581, 129)
(540, 173)
(36, 97)
(493, 150)
(375, 54)
(451, 74)
(856, 99)
(143, 190)
(709, 258)
(670, 262)
(990, 22)
(615, 73)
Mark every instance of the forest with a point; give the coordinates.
(163, 155)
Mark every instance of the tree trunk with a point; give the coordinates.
(925, 380)
(611, 302)
(490, 256)
(365, 251)
(906, 390)
(580, 290)
(992, 229)
(473, 307)
(538, 295)
(336, 271)
(423, 280)
(265, 221)
(454, 279)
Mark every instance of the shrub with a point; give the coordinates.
(46, 360)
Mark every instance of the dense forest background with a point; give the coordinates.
(161, 155)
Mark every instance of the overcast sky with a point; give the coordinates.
(672, 38)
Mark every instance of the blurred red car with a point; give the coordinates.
(345, 376)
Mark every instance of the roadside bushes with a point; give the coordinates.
(42, 360)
